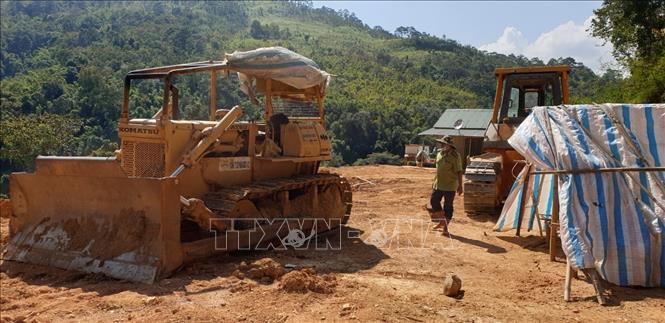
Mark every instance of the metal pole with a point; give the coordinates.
(213, 94)
(268, 96)
(124, 114)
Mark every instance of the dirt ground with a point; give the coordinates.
(389, 267)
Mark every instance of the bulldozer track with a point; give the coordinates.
(347, 198)
(224, 200)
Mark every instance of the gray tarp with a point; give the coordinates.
(276, 63)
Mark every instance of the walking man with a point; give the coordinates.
(447, 181)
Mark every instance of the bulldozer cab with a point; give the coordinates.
(522, 92)
(278, 97)
(518, 90)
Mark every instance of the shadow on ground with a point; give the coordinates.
(484, 216)
(349, 254)
(488, 246)
(532, 242)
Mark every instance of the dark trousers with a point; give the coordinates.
(448, 197)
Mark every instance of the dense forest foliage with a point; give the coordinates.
(63, 64)
(636, 29)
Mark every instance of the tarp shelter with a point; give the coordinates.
(466, 126)
(611, 186)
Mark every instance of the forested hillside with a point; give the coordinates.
(63, 64)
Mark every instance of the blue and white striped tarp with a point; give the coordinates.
(611, 221)
(537, 202)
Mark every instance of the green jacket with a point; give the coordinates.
(447, 168)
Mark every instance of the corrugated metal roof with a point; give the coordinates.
(453, 132)
(472, 118)
(474, 123)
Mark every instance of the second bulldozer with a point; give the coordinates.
(179, 190)
(489, 177)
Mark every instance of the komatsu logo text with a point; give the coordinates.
(139, 130)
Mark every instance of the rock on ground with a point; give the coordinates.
(452, 285)
(266, 269)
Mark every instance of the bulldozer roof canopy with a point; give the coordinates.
(276, 70)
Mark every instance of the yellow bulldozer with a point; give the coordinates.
(489, 177)
(178, 190)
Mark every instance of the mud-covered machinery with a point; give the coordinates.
(179, 190)
(489, 177)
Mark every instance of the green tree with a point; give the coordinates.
(256, 30)
(636, 29)
(22, 138)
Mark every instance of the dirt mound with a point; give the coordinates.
(303, 280)
(265, 268)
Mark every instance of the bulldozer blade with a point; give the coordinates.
(126, 228)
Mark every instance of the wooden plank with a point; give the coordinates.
(567, 283)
